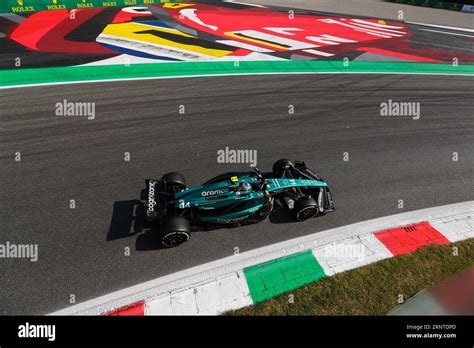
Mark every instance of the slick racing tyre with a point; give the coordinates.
(280, 166)
(305, 208)
(175, 231)
(174, 180)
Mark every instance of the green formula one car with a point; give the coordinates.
(234, 199)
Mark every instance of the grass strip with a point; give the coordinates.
(372, 289)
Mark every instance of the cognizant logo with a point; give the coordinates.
(151, 197)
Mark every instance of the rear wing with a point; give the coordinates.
(156, 199)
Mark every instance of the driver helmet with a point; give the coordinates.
(245, 186)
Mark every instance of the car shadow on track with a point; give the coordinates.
(281, 215)
(128, 220)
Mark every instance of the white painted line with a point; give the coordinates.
(319, 53)
(177, 289)
(244, 3)
(190, 14)
(442, 26)
(446, 32)
(235, 75)
(373, 24)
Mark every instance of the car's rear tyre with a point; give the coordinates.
(175, 180)
(305, 208)
(175, 231)
(281, 165)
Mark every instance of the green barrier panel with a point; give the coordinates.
(17, 6)
(272, 278)
(431, 3)
(18, 77)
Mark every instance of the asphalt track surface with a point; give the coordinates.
(82, 250)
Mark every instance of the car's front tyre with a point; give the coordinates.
(305, 208)
(281, 166)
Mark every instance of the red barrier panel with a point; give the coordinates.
(407, 239)
(136, 309)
